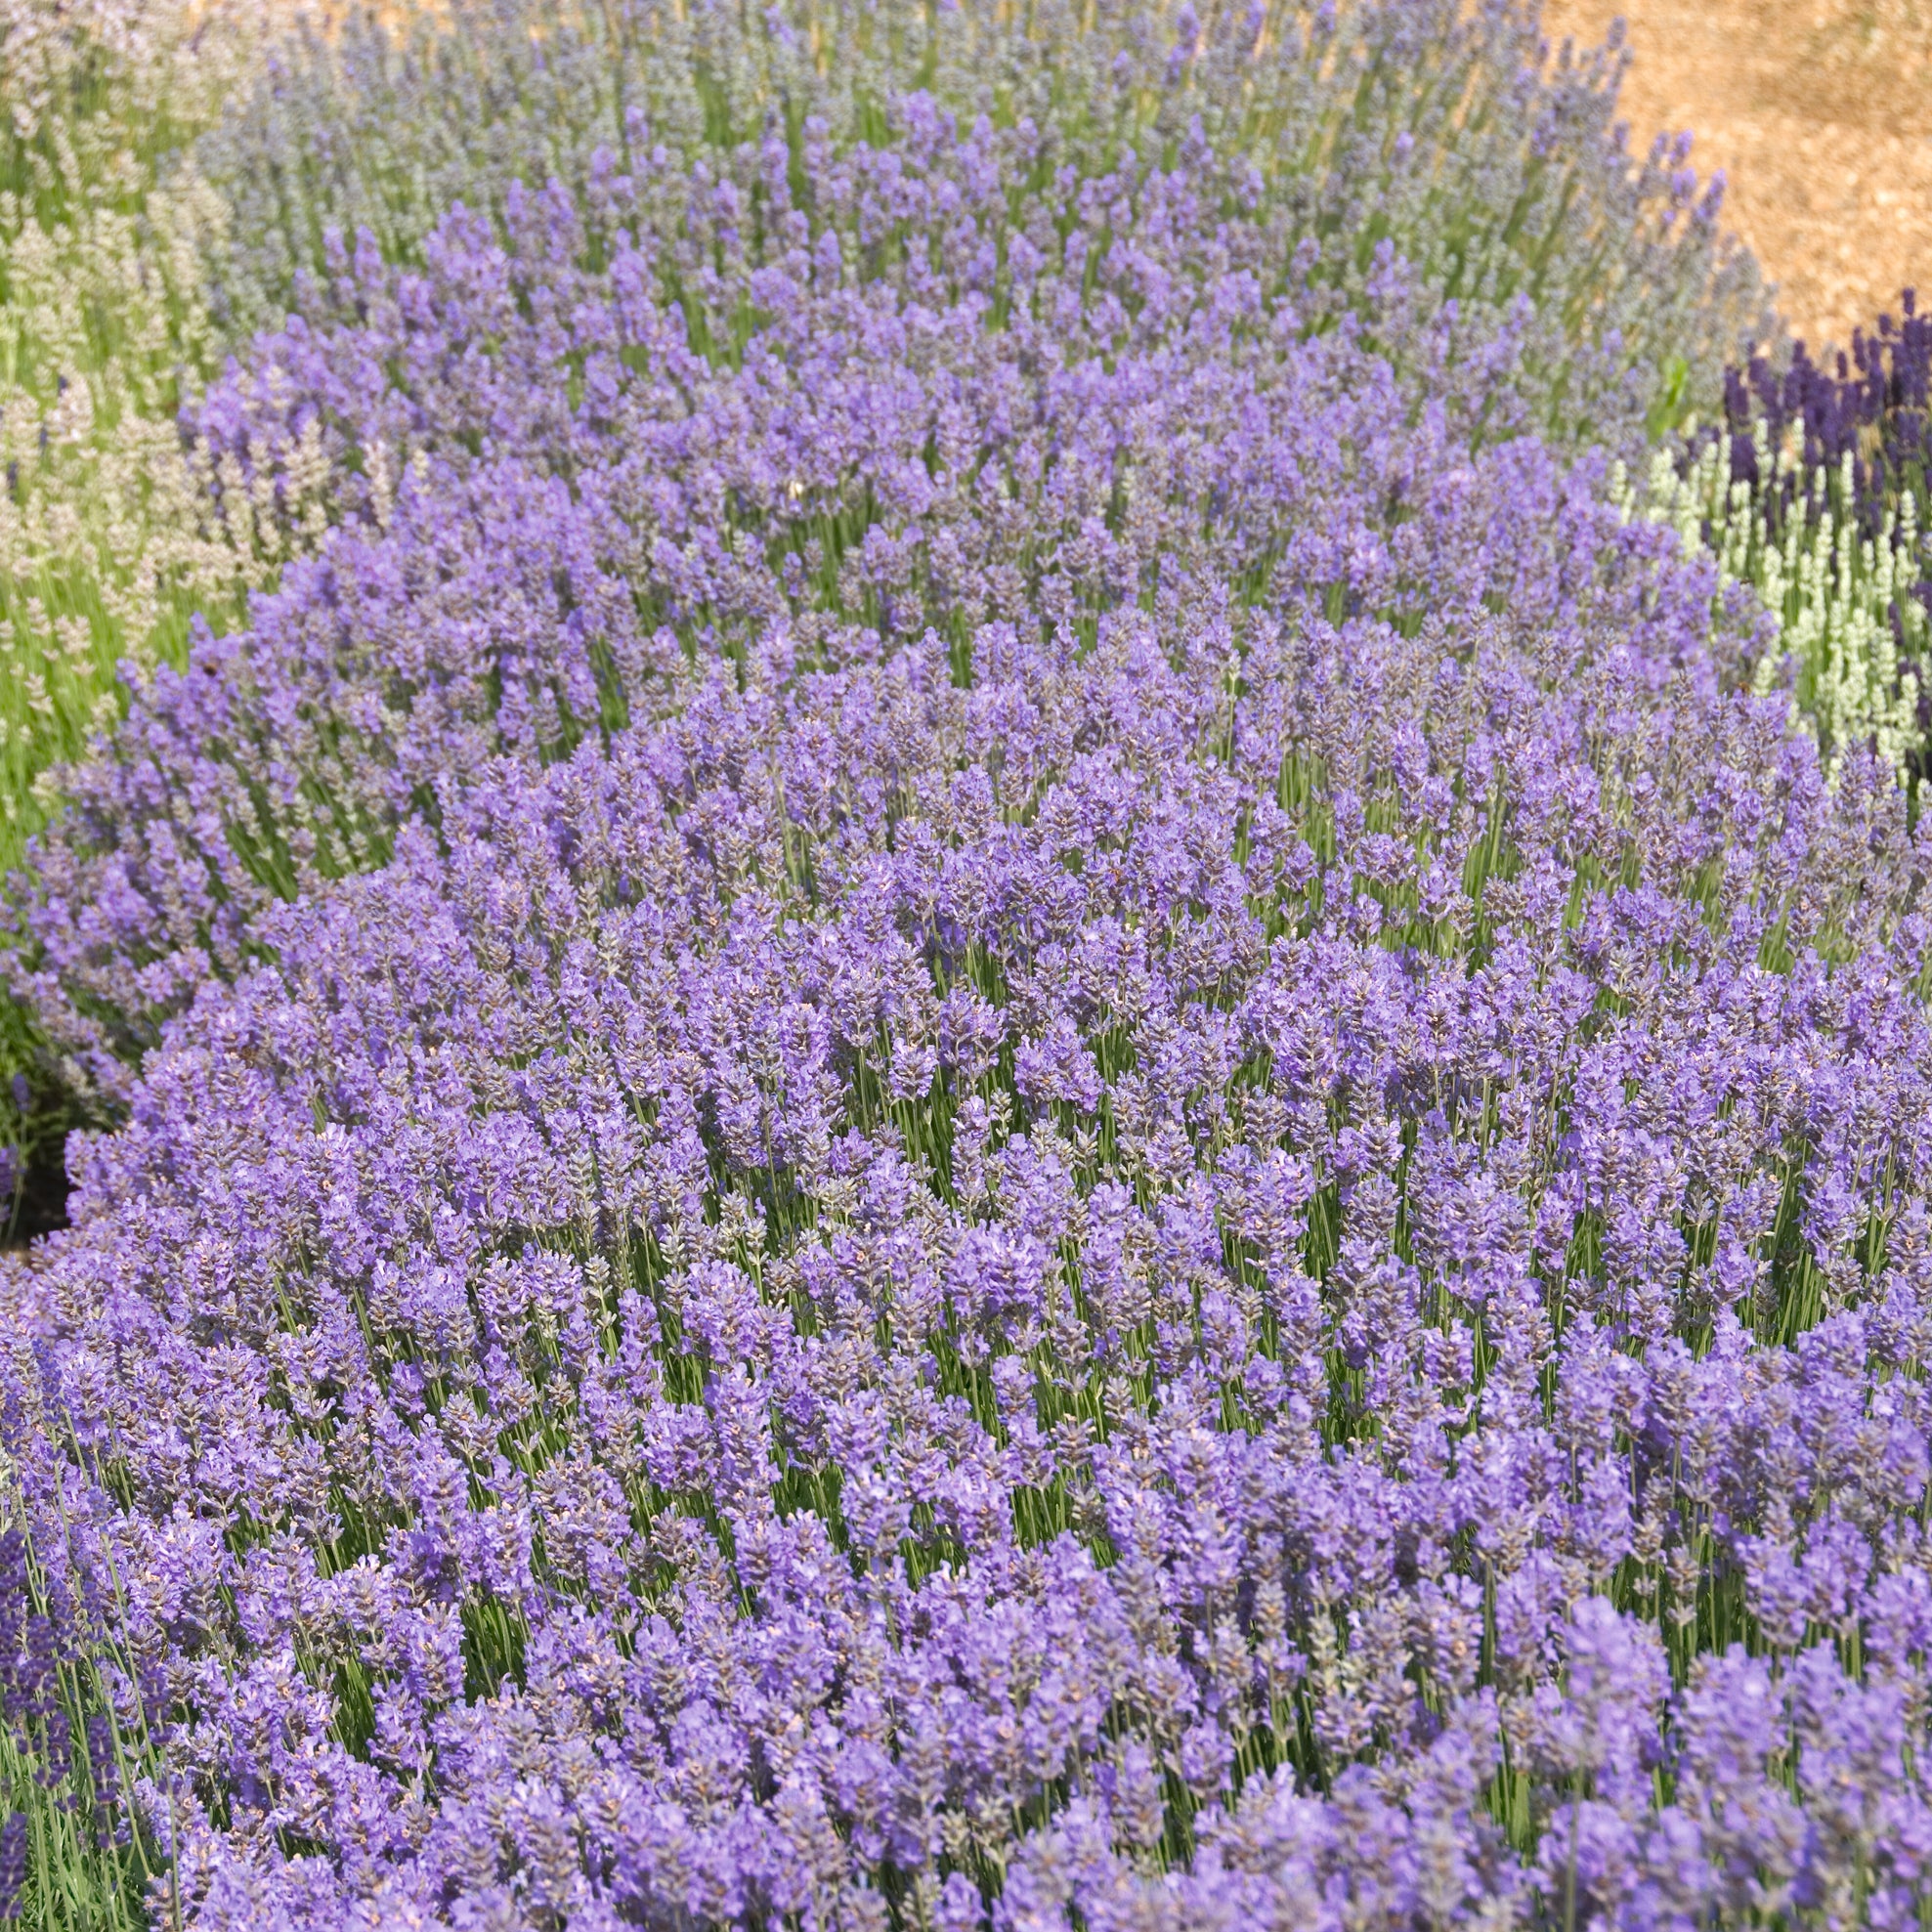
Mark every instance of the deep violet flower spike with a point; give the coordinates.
(12, 1866)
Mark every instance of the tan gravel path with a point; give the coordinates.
(1820, 113)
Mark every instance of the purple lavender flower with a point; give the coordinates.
(983, 1078)
(12, 1865)
(596, 1316)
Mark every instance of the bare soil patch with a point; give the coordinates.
(1820, 111)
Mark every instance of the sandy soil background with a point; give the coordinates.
(1820, 111)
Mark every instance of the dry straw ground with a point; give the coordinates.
(1820, 113)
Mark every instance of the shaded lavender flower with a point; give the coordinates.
(12, 1865)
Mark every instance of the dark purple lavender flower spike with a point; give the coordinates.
(12, 1865)
(1871, 407)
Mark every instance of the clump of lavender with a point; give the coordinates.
(1498, 173)
(1814, 492)
(1262, 1262)
(928, 385)
(984, 1079)
(1334, 156)
(70, 1853)
(107, 536)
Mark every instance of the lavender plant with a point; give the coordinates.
(1260, 1268)
(1496, 172)
(706, 154)
(990, 1075)
(868, 449)
(107, 536)
(1814, 492)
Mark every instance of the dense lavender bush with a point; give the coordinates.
(1261, 1267)
(1495, 171)
(991, 1072)
(866, 459)
(961, 157)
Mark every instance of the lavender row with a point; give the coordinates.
(870, 464)
(1495, 169)
(960, 163)
(1265, 1266)
(148, 245)
(983, 1078)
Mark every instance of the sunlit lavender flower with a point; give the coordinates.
(982, 1072)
